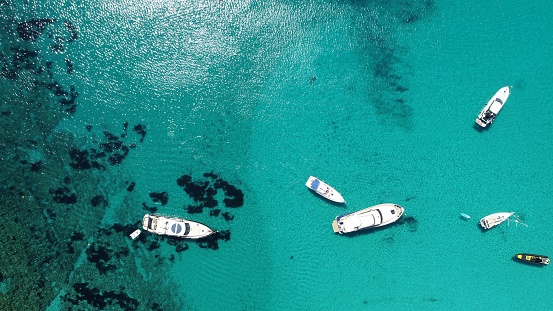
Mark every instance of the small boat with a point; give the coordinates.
(176, 227)
(493, 220)
(135, 234)
(324, 189)
(465, 216)
(371, 217)
(532, 258)
(490, 111)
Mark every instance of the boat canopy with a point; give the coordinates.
(496, 106)
(358, 222)
(315, 184)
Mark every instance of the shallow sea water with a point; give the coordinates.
(377, 98)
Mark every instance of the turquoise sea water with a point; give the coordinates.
(377, 98)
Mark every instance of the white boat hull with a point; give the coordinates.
(371, 217)
(493, 220)
(176, 227)
(323, 189)
(492, 108)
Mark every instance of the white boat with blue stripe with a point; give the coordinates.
(323, 189)
(176, 227)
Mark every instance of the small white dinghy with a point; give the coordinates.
(324, 189)
(490, 111)
(493, 220)
(135, 234)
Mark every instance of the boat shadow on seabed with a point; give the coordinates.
(480, 129)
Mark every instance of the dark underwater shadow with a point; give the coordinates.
(480, 129)
(482, 228)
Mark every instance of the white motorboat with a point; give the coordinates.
(490, 111)
(494, 219)
(372, 217)
(176, 227)
(324, 189)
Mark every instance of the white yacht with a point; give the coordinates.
(372, 217)
(494, 219)
(324, 189)
(490, 111)
(176, 227)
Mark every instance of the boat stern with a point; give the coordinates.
(335, 226)
(146, 222)
(480, 122)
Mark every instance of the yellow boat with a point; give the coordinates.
(532, 258)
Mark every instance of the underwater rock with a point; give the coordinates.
(31, 30)
(211, 241)
(227, 216)
(48, 213)
(141, 130)
(235, 196)
(181, 248)
(100, 256)
(62, 196)
(36, 166)
(210, 202)
(69, 65)
(100, 299)
(110, 136)
(183, 180)
(153, 245)
(72, 30)
(196, 191)
(114, 149)
(99, 200)
(125, 229)
(116, 158)
(131, 186)
(79, 159)
(204, 192)
(162, 197)
(149, 209)
(58, 47)
(77, 236)
(195, 209)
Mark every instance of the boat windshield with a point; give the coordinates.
(315, 184)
